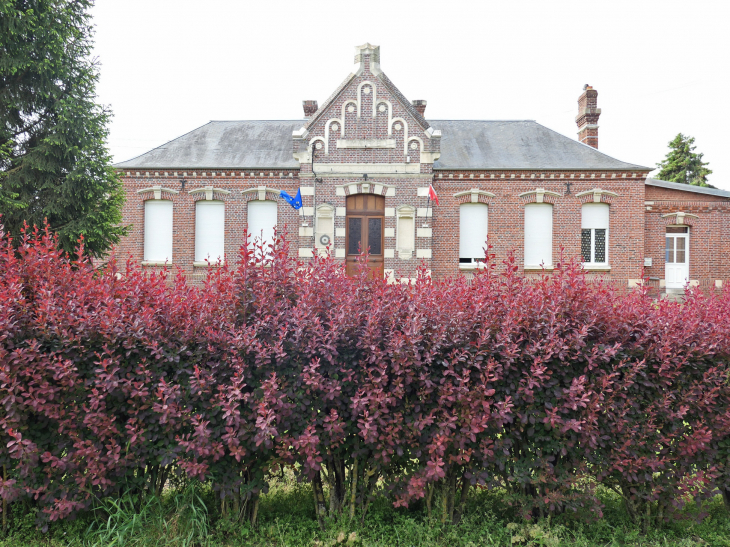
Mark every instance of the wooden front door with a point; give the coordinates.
(364, 231)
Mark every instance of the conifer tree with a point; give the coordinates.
(683, 164)
(54, 164)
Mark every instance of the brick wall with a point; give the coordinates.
(506, 216)
(368, 128)
(368, 138)
(236, 210)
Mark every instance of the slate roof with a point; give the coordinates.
(521, 144)
(225, 144)
(465, 144)
(688, 188)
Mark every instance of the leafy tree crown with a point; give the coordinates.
(683, 164)
(54, 163)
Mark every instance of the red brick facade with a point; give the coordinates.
(708, 221)
(367, 138)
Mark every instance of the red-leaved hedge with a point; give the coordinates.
(113, 384)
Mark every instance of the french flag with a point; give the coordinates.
(432, 194)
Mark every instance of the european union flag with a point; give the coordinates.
(295, 201)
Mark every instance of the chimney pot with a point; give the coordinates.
(420, 106)
(587, 118)
(310, 107)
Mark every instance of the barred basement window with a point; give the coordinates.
(594, 233)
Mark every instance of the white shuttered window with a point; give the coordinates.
(158, 230)
(261, 221)
(473, 221)
(538, 234)
(594, 233)
(406, 229)
(209, 231)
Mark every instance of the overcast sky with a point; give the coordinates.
(660, 67)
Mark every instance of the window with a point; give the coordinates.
(538, 235)
(594, 233)
(158, 230)
(261, 222)
(406, 229)
(209, 231)
(472, 233)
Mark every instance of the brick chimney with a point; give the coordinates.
(587, 118)
(420, 105)
(310, 107)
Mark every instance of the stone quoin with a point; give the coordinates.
(364, 161)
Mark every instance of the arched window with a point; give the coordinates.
(594, 233)
(209, 231)
(538, 235)
(158, 230)
(473, 223)
(261, 222)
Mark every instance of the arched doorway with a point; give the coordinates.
(364, 229)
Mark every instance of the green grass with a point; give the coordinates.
(287, 519)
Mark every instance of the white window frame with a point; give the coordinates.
(254, 233)
(203, 254)
(592, 264)
(155, 254)
(546, 250)
(471, 232)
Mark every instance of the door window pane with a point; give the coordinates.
(670, 250)
(354, 234)
(375, 231)
(681, 250)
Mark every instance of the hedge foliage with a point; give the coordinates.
(117, 384)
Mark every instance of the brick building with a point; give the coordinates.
(364, 161)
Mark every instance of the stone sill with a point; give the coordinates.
(155, 263)
(533, 268)
(205, 264)
(472, 266)
(596, 267)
